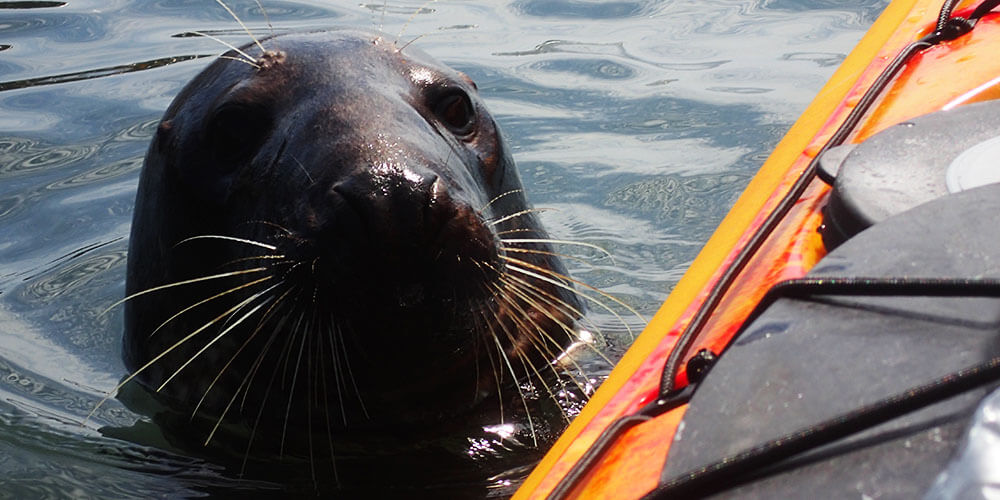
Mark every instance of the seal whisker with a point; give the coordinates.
(311, 398)
(289, 347)
(476, 347)
(544, 339)
(260, 325)
(160, 356)
(407, 24)
(503, 356)
(582, 295)
(525, 293)
(258, 361)
(541, 338)
(312, 182)
(225, 411)
(279, 227)
(407, 44)
(538, 337)
(244, 386)
(563, 282)
(338, 376)
(499, 196)
(231, 58)
(286, 352)
(539, 345)
(243, 25)
(573, 334)
(508, 241)
(267, 18)
(350, 373)
(497, 373)
(520, 213)
(557, 303)
(221, 334)
(512, 281)
(485, 329)
(181, 283)
(247, 59)
(292, 386)
(205, 301)
(381, 21)
(264, 257)
(527, 363)
(517, 230)
(191, 335)
(228, 238)
(550, 254)
(260, 411)
(325, 392)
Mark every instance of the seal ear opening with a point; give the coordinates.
(163, 133)
(232, 130)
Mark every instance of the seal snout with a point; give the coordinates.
(407, 233)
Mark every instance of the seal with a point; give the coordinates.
(330, 238)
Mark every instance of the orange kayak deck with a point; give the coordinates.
(946, 75)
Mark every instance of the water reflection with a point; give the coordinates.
(30, 5)
(20, 156)
(570, 9)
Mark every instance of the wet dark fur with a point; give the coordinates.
(381, 285)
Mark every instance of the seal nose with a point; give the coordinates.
(391, 210)
(411, 229)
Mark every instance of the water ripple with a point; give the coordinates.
(19, 156)
(141, 131)
(595, 68)
(68, 280)
(100, 174)
(681, 200)
(613, 49)
(60, 25)
(91, 74)
(571, 9)
(823, 59)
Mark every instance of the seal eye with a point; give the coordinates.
(233, 131)
(455, 112)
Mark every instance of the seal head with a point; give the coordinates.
(333, 236)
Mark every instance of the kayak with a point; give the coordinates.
(839, 330)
